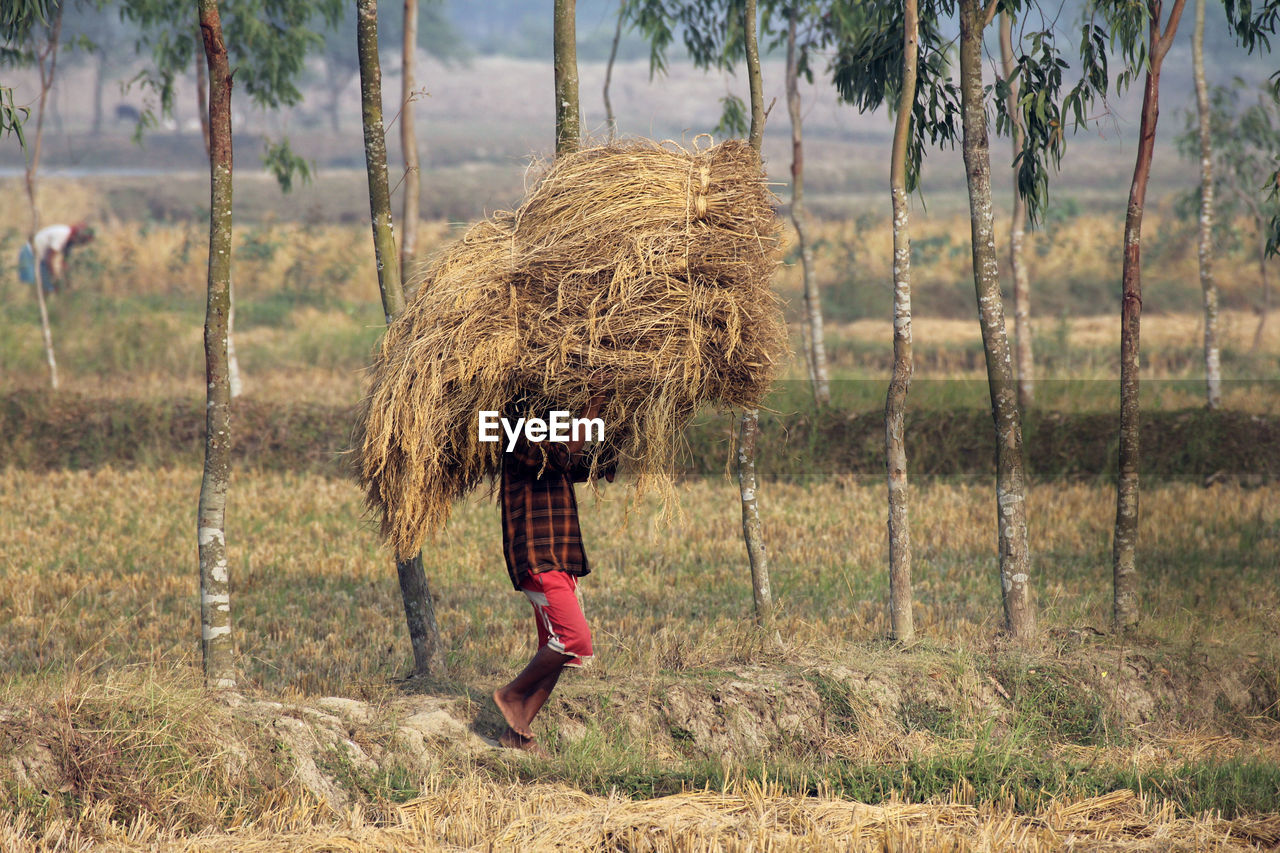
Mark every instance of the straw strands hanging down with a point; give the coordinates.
(636, 269)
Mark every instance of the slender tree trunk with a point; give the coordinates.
(234, 380)
(46, 331)
(749, 427)
(419, 609)
(1265, 307)
(901, 620)
(1017, 232)
(202, 94)
(756, 134)
(47, 61)
(817, 352)
(235, 383)
(806, 351)
(375, 153)
(1011, 505)
(610, 119)
(1212, 359)
(1124, 547)
(409, 140)
(565, 38)
(215, 589)
(752, 527)
(99, 80)
(55, 108)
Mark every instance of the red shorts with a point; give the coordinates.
(558, 614)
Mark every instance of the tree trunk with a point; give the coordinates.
(419, 610)
(99, 75)
(610, 119)
(565, 43)
(901, 620)
(202, 96)
(375, 153)
(749, 428)
(1011, 506)
(1265, 307)
(1212, 359)
(817, 353)
(1017, 232)
(55, 108)
(46, 331)
(756, 135)
(752, 528)
(234, 381)
(409, 140)
(215, 598)
(47, 61)
(1124, 546)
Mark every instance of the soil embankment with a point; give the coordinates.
(41, 432)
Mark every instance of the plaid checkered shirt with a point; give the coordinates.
(540, 530)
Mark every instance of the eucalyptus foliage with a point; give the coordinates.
(19, 19)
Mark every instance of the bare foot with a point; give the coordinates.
(514, 740)
(512, 708)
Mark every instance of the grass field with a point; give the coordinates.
(100, 600)
(691, 730)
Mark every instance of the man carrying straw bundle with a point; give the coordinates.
(542, 543)
(637, 268)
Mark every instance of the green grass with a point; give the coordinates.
(987, 773)
(838, 702)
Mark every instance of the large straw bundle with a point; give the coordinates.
(634, 269)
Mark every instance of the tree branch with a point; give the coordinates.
(1170, 30)
(989, 13)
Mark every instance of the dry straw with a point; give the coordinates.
(637, 269)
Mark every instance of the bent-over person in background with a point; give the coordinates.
(48, 259)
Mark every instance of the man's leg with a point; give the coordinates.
(522, 698)
(563, 640)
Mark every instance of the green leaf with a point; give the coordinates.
(285, 164)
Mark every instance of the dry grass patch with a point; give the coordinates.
(746, 816)
(99, 567)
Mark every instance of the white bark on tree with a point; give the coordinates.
(748, 430)
(202, 109)
(1022, 331)
(565, 46)
(610, 119)
(815, 348)
(409, 142)
(234, 382)
(215, 587)
(47, 65)
(1212, 357)
(901, 619)
(1011, 504)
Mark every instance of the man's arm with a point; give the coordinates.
(594, 407)
(560, 456)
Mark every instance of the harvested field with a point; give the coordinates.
(751, 817)
(691, 730)
(687, 719)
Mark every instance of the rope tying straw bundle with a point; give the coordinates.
(700, 193)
